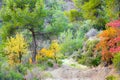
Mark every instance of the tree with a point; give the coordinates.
(24, 14)
(15, 47)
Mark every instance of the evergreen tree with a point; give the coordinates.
(23, 14)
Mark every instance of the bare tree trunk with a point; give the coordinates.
(34, 46)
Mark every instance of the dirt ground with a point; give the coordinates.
(68, 73)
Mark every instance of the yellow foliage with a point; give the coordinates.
(15, 48)
(54, 46)
(30, 60)
(43, 52)
(110, 32)
(50, 52)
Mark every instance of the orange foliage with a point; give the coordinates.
(108, 43)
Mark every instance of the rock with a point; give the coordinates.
(91, 33)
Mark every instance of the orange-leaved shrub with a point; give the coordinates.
(109, 43)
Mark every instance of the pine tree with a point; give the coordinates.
(24, 14)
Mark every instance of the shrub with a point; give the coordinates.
(109, 43)
(15, 48)
(111, 77)
(89, 56)
(70, 42)
(72, 39)
(73, 15)
(116, 61)
(9, 73)
(50, 53)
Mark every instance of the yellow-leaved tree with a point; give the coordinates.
(15, 48)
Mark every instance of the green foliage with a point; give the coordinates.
(89, 61)
(6, 31)
(116, 61)
(22, 68)
(89, 57)
(58, 23)
(72, 39)
(69, 42)
(54, 4)
(111, 77)
(73, 15)
(25, 14)
(78, 3)
(92, 9)
(112, 11)
(8, 73)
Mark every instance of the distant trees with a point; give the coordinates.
(99, 11)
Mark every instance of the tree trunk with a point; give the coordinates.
(34, 46)
(20, 57)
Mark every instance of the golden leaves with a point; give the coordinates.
(15, 48)
(50, 52)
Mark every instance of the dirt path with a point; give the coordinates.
(68, 73)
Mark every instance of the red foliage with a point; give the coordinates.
(115, 23)
(114, 45)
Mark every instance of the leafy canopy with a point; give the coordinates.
(23, 13)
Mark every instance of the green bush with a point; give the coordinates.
(8, 73)
(72, 39)
(116, 61)
(89, 57)
(111, 77)
(73, 15)
(89, 61)
(70, 42)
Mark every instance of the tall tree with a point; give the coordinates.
(24, 14)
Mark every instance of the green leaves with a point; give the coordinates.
(24, 13)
